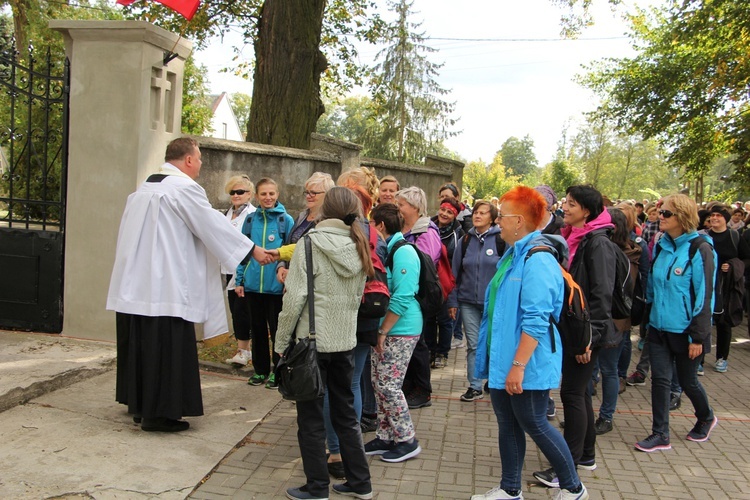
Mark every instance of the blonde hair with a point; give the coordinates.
(390, 178)
(242, 180)
(364, 182)
(266, 180)
(415, 197)
(629, 210)
(321, 179)
(685, 210)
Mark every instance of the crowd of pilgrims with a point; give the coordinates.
(688, 261)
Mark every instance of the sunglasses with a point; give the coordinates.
(238, 191)
(666, 213)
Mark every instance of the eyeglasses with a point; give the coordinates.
(500, 216)
(666, 213)
(312, 193)
(238, 191)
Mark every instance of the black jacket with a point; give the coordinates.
(593, 268)
(449, 235)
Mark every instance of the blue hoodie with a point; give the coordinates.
(525, 299)
(264, 228)
(477, 268)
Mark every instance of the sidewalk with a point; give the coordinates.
(460, 455)
(71, 440)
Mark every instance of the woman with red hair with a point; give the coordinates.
(515, 349)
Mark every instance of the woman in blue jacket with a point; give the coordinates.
(515, 350)
(474, 263)
(269, 226)
(680, 297)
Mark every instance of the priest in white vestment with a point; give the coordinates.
(165, 279)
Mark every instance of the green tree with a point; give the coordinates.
(560, 175)
(483, 181)
(687, 85)
(348, 120)
(518, 155)
(241, 107)
(196, 103)
(409, 110)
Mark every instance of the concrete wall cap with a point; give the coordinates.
(265, 149)
(124, 31)
(407, 167)
(444, 160)
(338, 142)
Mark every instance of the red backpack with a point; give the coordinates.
(376, 297)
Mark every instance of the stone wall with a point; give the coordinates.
(290, 168)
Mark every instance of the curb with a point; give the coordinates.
(22, 395)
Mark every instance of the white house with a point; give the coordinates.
(223, 123)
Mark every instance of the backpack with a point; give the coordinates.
(638, 310)
(444, 271)
(574, 324)
(247, 227)
(430, 293)
(376, 297)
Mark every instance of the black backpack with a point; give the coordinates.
(430, 292)
(574, 324)
(622, 295)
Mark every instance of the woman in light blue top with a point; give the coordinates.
(519, 350)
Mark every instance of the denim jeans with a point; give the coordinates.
(369, 405)
(522, 414)
(626, 352)
(666, 349)
(472, 318)
(610, 382)
(458, 332)
(361, 350)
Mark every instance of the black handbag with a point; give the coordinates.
(298, 373)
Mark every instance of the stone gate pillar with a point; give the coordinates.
(125, 106)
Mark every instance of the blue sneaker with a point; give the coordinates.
(721, 365)
(653, 443)
(346, 490)
(402, 451)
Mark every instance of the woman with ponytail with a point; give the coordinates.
(341, 262)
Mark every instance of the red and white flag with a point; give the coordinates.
(185, 7)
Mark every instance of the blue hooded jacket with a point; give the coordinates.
(530, 292)
(264, 227)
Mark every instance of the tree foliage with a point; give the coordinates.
(410, 115)
(518, 155)
(196, 102)
(688, 84)
(348, 120)
(484, 181)
(241, 107)
(560, 174)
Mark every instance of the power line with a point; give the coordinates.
(527, 39)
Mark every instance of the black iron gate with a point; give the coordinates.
(34, 92)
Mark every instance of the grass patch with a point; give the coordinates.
(217, 353)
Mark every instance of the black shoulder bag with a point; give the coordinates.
(298, 373)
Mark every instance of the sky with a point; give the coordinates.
(510, 87)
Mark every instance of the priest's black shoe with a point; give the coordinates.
(164, 425)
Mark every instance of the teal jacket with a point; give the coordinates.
(403, 284)
(673, 283)
(269, 228)
(531, 292)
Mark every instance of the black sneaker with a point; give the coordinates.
(418, 398)
(402, 451)
(675, 401)
(336, 470)
(378, 446)
(701, 430)
(551, 410)
(487, 387)
(368, 424)
(346, 490)
(547, 477)
(653, 443)
(471, 395)
(636, 379)
(602, 426)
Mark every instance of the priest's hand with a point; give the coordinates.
(262, 256)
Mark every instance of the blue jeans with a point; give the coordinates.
(360, 356)
(369, 405)
(458, 332)
(439, 333)
(472, 318)
(668, 350)
(610, 382)
(522, 414)
(626, 352)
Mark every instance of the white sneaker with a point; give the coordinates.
(567, 495)
(457, 343)
(497, 493)
(242, 358)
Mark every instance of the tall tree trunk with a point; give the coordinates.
(286, 100)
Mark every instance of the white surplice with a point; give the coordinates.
(169, 250)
